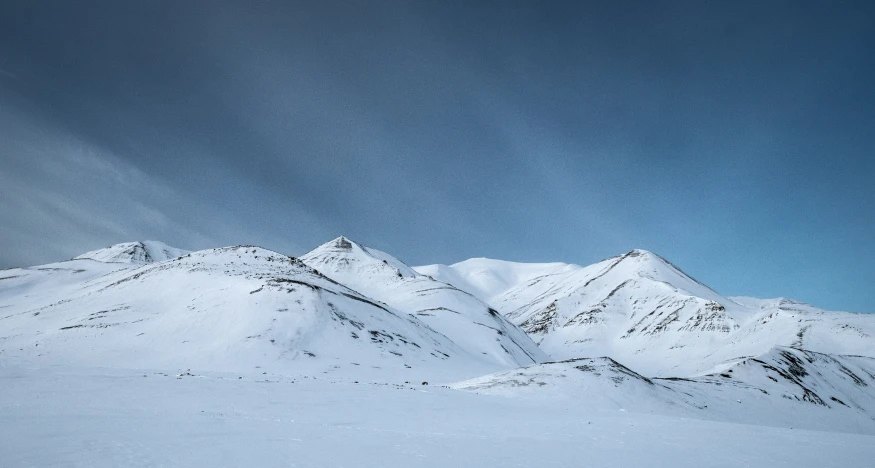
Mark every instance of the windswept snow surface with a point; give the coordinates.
(145, 355)
(59, 417)
(645, 312)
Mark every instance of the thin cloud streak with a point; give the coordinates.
(732, 139)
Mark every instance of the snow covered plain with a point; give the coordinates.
(145, 355)
(98, 417)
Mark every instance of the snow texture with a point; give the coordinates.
(460, 316)
(645, 312)
(143, 354)
(134, 252)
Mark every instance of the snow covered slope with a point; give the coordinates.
(460, 316)
(490, 279)
(134, 252)
(636, 308)
(222, 309)
(785, 386)
(643, 311)
(119, 358)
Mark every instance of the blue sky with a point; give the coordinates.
(735, 139)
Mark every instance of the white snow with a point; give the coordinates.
(145, 355)
(93, 417)
(222, 309)
(456, 314)
(785, 387)
(649, 315)
(134, 252)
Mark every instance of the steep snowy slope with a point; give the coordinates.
(224, 309)
(643, 311)
(785, 386)
(467, 321)
(135, 252)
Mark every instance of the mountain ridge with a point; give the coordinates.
(224, 309)
(785, 385)
(648, 313)
(638, 307)
(142, 252)
(455, 313)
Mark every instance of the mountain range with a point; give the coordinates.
(644, 311)
(632, 329)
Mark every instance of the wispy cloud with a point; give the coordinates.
(62, 194)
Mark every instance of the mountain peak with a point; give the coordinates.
(343, 254)
(342, 243)
(141, 252)
(345, 248)
(645, 256)
(657, 266)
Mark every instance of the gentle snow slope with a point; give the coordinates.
(786, 386)
(222, 309)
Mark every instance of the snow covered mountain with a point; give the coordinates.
(460, 316)
(231, 335)
(786, 386)
(134, 252)
(226, 309)
(128, 300)
(643, 311)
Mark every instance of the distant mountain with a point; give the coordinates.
(221, 309)
(641, 310)
(460, 316)
(134, 252)
(632, 332)
(344, 306)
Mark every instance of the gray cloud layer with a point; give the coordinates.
(735, 139)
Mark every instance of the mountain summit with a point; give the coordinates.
(142, 252)
(642, 310)
(351, 263)
(220, 307)
(224, 309)
(457, 314)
